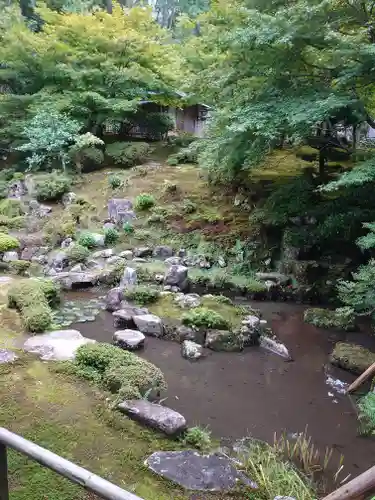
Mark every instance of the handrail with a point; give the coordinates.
(65, 468)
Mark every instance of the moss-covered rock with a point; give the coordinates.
(222, 340)
(33, 298)
(119, 371)
(19, 266)
(204, 317)
(342, 318)
(78, 254)
(8, 242)
(352, 357)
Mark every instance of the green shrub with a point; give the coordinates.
(155, 219)
(87, 240)
(128, 228)
(78, 254)
(182, 140)
(8, 242)
(142, 295)
(203, 317)
(119, 371)
(198, 437)
(188, 206)
(144, 201)
(13, 222)
(189, 154)
(342, 318)
(19, 266)
(114, 181)
(128, 154)
(3, 189)
(57, 230)
(11, 208)
(172, 160)
(33, 297)
(366, 414)
(111, 236)
(51, 187)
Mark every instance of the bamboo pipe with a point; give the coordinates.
(356, 489)
(361, 379)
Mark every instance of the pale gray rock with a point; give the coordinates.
(10, 256)
(153, 415)
(7, 356)
(126, 254)
(129, 278)
(162, 252)
(78, 268)
(67, 243)
(187, 301)
(59, 345)
(99, 239)
(173, 261)
(149, 324)
(59, 261)
(190, 350)
(103, 254)
(177, 276)
(129, 339)
(113, 299)
(123, 318)
(278, 278)
(193, 471)
(275, 347)
(71, 280)
(142, 252)
(68, 199)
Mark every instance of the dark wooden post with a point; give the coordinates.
(4, 489)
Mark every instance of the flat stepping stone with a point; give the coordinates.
(7, 356)
(129, 339)
(60, 345)
(158, 417)
(197, 472)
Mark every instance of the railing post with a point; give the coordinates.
(4, 489)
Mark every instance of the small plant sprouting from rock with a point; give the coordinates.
(114, 181)
(198, 437)
(111, 236)
(128, 228)
(206, 318)
(144, 201)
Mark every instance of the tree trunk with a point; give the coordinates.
(322, 164)
(109, 6)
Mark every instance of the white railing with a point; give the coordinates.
(104, 489)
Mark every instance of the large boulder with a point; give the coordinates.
(177, 276)
(126, 254)
(103, 254)
(190, 350)
(352, 357)
(129, 278)
(123, 318)
(29, 252)
(113, 299)
(72, 280)
(143, 252)
(60, 345)
(38, 209)
(223, 340)
(7, 356)
(149, 324)
(10, 256)
(129, 339)
(162, 252)
(274, 346)
(187, 301)
(153, 415)
(120, 210)
(189, 469)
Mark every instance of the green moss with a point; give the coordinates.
(8, 242)
(32, 298)
(52, 186)
(119, 371)
(352, 357)
(11, 208)
(78, 253)
(204, 317)
(342, 318)
(19, 266)
(13, 222)
(142, 295)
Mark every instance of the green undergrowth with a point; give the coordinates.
(167, 308)
(223, 279)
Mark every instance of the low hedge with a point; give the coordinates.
(34, 298)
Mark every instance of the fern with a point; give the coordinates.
(366, 415)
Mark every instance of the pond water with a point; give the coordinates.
(257, 393)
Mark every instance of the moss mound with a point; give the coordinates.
(119, 371)
(8, 242)
(342, 318)
(352, 357)
(204, 317)
(33, 298)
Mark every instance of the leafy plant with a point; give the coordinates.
(19, 266)
(111, 236)
(144, 201)
(198, 437)
(366, 415)
(87, 240)
(128, 228)
(128, 154)
(203, 317)
(11, 208)
(51, 187)
(341, 318)
(8, 242)
(114, 181)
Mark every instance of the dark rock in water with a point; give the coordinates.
(352, 357)
(193, 471)
(223, 340)
(113, 299)
(177, 276)
(7, 356)
(156, 416)
(162, 252)
(129, 339)
(143, 252)
(123, 318)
